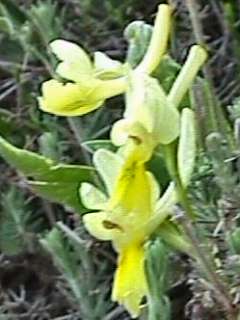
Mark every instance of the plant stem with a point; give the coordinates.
(76, 129)
(77, 132)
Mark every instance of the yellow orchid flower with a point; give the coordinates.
(148, 115)
(151, 114)
(90, 83)
(127, 215)
(73, 99)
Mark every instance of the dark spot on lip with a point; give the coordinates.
(111, 225)
(136, 139)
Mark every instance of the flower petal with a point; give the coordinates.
(95, 224)
(130, 284)
(155, 188)
(107, 68)
(120, 132)
(73, 72)
(147, 104)
(163, 208)
(76, 63)
(68, 99)
(109, 165)
(167, 200)
(92, 197)
(132, 191)
(124, 129)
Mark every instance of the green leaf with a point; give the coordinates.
(45, 17)
(17, 229)
(56, 182)
(83, 275)
(55, 243)
(187, 146)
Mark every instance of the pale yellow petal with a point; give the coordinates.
(67, 99)
(130, 284)
(147, 104)
(120, 132)
(69, 51)
(100, 227)
(76, 63)
(92, 197)
(167, 126)
(155, 188)
(107, 68)
(163, 208)
(108, 165)
(71, 71)
(167, 200)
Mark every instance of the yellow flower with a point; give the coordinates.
(128, 213)
(149, 115)
(130, 274)
(74, 99)
(90, 83)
